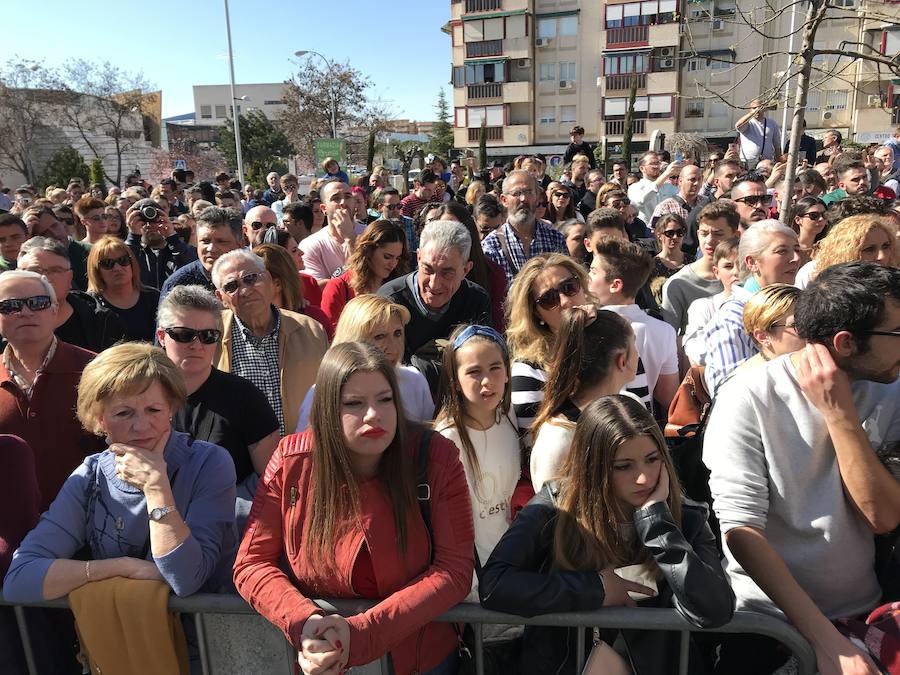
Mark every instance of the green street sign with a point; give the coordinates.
(330, 147)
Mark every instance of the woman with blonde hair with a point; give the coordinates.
(769, 321)
(338, 505)
(863, 238)
(380, 322)
(380, 255)
(614, 523)
(114, 279)
(473, 192)
(543, 288)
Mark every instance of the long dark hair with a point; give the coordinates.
(583, 356)
(479, 273)
(553, 215)
(803, 205)
(335, 489)
(378, 233)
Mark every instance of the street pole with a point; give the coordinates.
(787, 77)
(234, 113)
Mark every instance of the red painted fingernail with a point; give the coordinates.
(338, 645)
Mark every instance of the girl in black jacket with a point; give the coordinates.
(617, 504)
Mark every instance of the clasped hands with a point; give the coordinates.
(324, 645)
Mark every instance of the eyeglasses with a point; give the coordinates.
(754, 200)
(47, 271)
(289, 186)
(207, 336)
(36, 303)
(814, 215)
(257, 225)
(248, 280)
(110, 263)
(550, 298)
(562, 194)
(674, 179)
(672, 234)
(892, 333)
(393, 207)
(515, 194)
(786, 326)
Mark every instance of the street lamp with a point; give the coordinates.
(328, 65)
(237, 126)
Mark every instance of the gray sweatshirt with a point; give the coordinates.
(773, 467)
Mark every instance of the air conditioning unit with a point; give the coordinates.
(522, 63)
(666, 52)
(542, 42)
(826, 115)
(566, 84)
(718, 24)
(873, 101)
(666, 63)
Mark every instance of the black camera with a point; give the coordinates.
(149, 213)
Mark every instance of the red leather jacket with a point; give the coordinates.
(415, 589)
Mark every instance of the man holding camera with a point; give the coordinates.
(158, 248)
(758, 135)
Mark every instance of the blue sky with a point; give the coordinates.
(398, 44)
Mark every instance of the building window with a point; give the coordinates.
(568, 25)
(273, 102)
(492, 115)
(567, 71)
(718, 109)
(693, 107)
(719, 63)
(813, 101)
(567, 114)
(206, 112)
(546, 28)
(458, 76)
(847, 4)
(694, 65)
(625, 64)
(836, 99)
(459, 117)
(698, 11)
(548, 115)
(658, 106)
(647, 13)
(220, 111)
(548, 72)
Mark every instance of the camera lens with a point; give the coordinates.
(149, 213)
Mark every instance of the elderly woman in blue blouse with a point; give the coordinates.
(155, 505)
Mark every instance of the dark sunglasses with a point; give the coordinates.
(814, 215)
(207, 336)
(542, 205)
(550, 298)
(393, 207)
(257, 225)
(110, 263)
(755, 200)
(672, 234)
(35, 303)
(248, 280)
(562, 194)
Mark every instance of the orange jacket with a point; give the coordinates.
(415, 590)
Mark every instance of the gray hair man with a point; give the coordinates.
(277, 350)
(438, 295)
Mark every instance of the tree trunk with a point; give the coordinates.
(482, 145)
(370, 154)
(629, 121)
(803, 78)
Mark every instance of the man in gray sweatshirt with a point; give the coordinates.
(798, 488)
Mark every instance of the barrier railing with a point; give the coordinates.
(609, 617)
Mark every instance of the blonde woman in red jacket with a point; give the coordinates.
(339, 502)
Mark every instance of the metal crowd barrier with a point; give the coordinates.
(609, 617)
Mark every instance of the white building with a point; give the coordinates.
(212, 102)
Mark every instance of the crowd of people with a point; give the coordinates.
(540, 395)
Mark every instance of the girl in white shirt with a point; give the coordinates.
(475, 415)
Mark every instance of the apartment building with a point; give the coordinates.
(212, 102)
(530, 69)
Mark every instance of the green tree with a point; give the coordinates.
(441, 141)
(262, 143)
(97, 175)
(64, 164)
(482, 145)
(256, 175)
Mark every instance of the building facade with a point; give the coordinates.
(528, 70)
(212, 102)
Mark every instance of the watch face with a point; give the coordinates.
(156, 514)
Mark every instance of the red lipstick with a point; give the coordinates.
(374, 432)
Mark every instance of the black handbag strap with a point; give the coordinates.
(504, 246)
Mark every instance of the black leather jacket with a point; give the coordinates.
(518, 578)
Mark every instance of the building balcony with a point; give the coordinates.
(492, 133)
(488, 90)
(483, 5)
(617, 127)
(484, 48)
(627, 36)
(623, 82)
(494, 92)
(512, 135)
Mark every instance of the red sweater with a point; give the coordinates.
(415, 589)
(337, 293)
(19, 496)
(47, 421)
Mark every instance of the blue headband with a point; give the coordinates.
(481, 331)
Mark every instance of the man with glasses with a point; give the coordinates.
(81, 320)
(798, 483)
(645, 193)
(39, 375)
(328, 249)
(593, 182)
(93, 216)
(42, 222)
(751, 199)
(687, 203)
(522, 236)
(256, 223)
(290, 188)
(277, 350)
(387, 203)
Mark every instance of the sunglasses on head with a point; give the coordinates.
(672, 234)
(248, 280)
(110, 263)
(550, 298)
(35, 303)
(207, 336)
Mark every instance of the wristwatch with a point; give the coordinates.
(160, 512)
